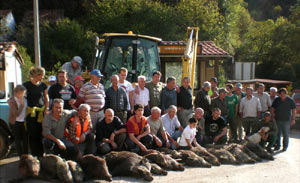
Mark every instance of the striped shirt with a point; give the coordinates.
(94, 95)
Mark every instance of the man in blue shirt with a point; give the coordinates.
(284, 112)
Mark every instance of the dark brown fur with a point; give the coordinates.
(29, 166)
(54, 167)
(76, 170)
(224, 156)
(191, 159)
(126, 163)
(94, 168)
(209, 157)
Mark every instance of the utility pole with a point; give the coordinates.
(37, 50)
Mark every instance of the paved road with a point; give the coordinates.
(284, 169)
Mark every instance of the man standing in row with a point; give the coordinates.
(93, 93)
(184, 102)
(116, 99)
(155, 88)
(203, 100)
(250, 109)
(264, 99)
(62, 90)
(168, 95)
(284, 112)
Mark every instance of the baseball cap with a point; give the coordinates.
(222, 90)
(78, 78)
(52, 78)
(239, 85)
(77, 59)
(267, 114)
(214, 79)
(96, 72)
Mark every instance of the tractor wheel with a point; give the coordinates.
(5, 144)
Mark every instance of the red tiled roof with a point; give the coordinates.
(207, 47)
(257, 80)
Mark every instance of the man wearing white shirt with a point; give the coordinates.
(172, 126)
(264, 99)
(250, 109)
(143, 95)
(127, 87)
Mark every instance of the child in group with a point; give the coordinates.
(188, 135)
(17, 112)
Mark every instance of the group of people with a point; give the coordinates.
(71, 118)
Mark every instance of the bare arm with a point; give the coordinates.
(145, 132)
(136, 141)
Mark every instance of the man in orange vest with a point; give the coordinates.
(138, 131)
(78, 132)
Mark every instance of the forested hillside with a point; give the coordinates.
(263, 31)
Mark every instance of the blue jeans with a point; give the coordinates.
(283, 128)
(175, 136)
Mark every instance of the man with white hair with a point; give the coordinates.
(273, 94)
(73, 69)
(172, 126)
(203, 99)
(78, 132)
(116, 99)
(157, 128)
(142, 96)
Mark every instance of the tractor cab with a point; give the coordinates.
(137, 53)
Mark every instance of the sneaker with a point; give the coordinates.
(284, 149)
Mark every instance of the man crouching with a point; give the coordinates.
(110, 133)
(78, 132)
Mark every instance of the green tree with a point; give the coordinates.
(27, 62)
(60, 42)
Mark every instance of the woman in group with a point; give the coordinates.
(37, 105)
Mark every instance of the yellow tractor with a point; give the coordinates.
(139, 54)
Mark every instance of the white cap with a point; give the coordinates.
(77, 59)
(52, 78)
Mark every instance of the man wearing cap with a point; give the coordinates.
(78, 82)
(213, 92)
(264, 99)
(62, 90)
(52, 81)
(250, 109)
(73, 69)
(93, 93)
(271, 136)
(202, 99)
(240, 94)
(221, 103)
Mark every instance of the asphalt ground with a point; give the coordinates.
(284, 169)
